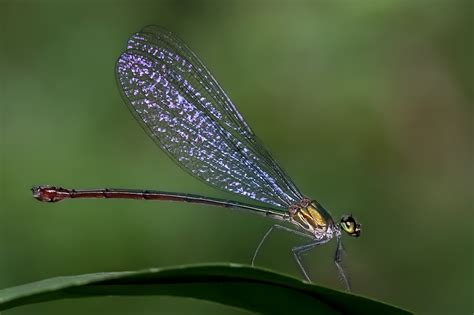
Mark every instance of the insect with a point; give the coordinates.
(185, 111)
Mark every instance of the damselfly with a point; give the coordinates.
(185, 111)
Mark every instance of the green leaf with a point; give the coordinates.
(245, 287)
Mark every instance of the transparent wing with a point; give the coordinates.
(187, 113)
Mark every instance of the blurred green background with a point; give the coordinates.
(367, 105)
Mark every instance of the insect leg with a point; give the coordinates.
(276, 226)
(338, 262)
(297, 251)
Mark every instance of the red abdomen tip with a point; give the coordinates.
(49, 193)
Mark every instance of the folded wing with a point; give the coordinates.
(185, 111)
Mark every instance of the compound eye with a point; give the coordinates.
(350, 226)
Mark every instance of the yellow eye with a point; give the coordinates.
(350, 226)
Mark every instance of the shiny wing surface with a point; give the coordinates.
(184, 110)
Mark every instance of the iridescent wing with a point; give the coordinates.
(185, 111)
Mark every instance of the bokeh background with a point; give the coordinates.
(366, 104)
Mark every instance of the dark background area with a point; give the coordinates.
(367, 105)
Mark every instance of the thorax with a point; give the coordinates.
(310, 216)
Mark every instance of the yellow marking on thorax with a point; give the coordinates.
(310, 218)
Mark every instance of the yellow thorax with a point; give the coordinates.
(308, 215)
